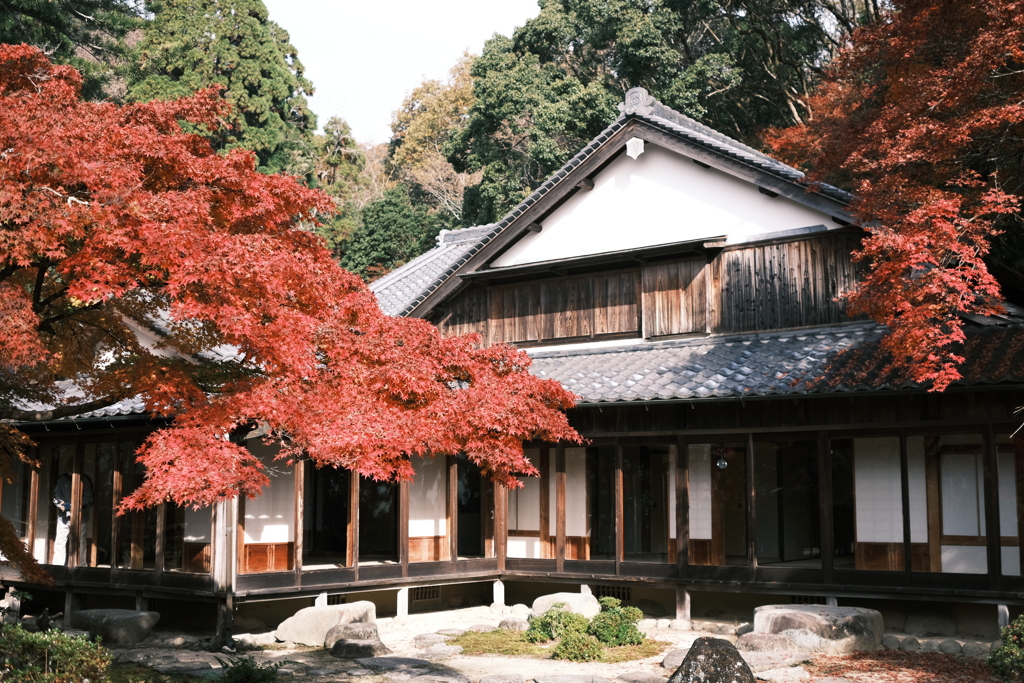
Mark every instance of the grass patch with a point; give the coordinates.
(629, 653)
(500, 642)
(511, 643)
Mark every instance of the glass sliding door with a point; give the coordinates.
(867, 499)
(648, 496)
(476, 511)
(601, 502)
(947, 515)
(786, 488)
(378, 521)
(97, 496)
(325, 519)
(718, 504)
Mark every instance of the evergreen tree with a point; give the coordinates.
(86, 34)
(393, 232)
(737, 65)
(339, 166)
(191, 44)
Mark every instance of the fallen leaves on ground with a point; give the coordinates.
(895, 666)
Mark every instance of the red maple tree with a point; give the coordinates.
(135, 261)
(922, 117)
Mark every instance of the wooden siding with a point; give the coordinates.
(465, 313)
(675, 298)
(780, 285)
(575, 307)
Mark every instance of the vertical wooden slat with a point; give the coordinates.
(453, 511)
(545, 503)
(73, 550)
(403, 526)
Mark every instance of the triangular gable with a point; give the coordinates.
(658, 198)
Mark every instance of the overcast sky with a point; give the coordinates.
(364, 56)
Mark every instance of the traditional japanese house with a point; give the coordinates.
(745, 435)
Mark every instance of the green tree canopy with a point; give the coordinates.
(191, 44)
(737, 65)
(393, 232)
(86, 34)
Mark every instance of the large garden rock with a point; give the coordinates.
(356, 630)
(712, 660)
(354, 649)
(765, 642)
(514, 624)
(115, 626)
(580, 603)
(821, 628)
(309, 626)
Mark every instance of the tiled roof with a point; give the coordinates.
(403, 289)
(398, 290)
(838, 359)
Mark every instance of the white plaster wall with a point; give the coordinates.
(427, 498)
(270, 518)
(876, 474)
(576, 515)
(660, 198)
(700, 490)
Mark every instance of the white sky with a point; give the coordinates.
(365, 56)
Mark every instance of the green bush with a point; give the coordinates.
(1007, 661)
(245, 669)
(51, 657)
(555, 623)
(616, 625)
(578, 647)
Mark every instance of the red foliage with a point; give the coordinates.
(115, 222)
(922, 116)
(896, 666)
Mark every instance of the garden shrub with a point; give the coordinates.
(616, 625)
(51, 657)
(578, 647)
(557, 622)
(1007, 661)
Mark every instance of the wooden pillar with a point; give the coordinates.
(33, 505)
(453, 511)
(120, 457)
(620, 508)
(71, 557)
(501, 524)
(905, 493)
(300, 489)
(990, 470)
(1018, 473)
(560, 508)
(682, 505)
(353, 525)
(161, 534)
(240, 536)
(751, 507)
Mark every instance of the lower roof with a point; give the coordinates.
(828, 360)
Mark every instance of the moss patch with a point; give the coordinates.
(511, 643)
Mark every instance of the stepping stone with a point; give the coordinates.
(569, 678)
(975, 649)
(502, 678)
(392, 663)
(321, 672)
(764, 661)
(792, 675)
(443, 677)
(514, 624)
(640, 677)
(950, 647)
(353, 649)
(891, 643)
(435, 652)
(454, 632)
(360, 672)
(482, 628)
(427, 639)
(673, 658)
(910, 644)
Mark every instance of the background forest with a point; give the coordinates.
(465, 150)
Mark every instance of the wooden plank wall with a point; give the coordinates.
(675, 297)
(788, 284)
(465, 313)
(574, 307)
